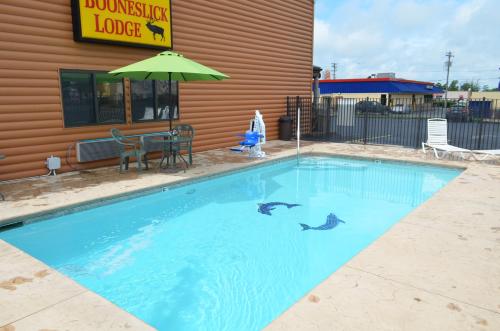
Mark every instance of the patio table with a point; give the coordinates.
(169, 148)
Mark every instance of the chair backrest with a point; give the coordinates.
(116, 134)
(252, 135)
(437, 131)
(251, 138)
(185, 130)
(118, 137)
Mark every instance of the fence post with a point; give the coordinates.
(365, 126)
(327, 119)
(419, 125)
(287, 106)
(333, 119)
(480, 124)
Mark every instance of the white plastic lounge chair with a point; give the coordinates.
(487, 153)
(437, 139)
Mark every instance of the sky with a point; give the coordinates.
(410, 38)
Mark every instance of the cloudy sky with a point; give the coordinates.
(409, 37)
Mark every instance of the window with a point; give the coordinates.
(91, 98)
(150, 100)
(110, 104)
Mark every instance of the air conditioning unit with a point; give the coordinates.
(386, 75)
(107, 148)
(99, 149)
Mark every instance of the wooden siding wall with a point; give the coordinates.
(265, 46)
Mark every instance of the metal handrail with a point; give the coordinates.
(298, 135)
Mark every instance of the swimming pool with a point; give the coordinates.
(230, 253)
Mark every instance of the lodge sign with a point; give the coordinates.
(141, 23)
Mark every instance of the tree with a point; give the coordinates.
(453, 85)
(326, 74)
(474, 87)
(486, 88)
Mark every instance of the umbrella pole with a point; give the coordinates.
(170, 111)
(170, 99)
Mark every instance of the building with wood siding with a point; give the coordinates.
(264, 46)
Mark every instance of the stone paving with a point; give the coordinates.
(437, 269)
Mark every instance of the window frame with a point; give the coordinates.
(155, 104)
(95, 103)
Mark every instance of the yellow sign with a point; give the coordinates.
(143, 23)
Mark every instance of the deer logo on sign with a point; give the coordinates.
(155, 29)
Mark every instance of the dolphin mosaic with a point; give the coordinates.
(265, 208)
(331, 222)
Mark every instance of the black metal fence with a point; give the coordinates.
(472, 124)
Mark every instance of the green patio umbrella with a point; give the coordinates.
(168, 66)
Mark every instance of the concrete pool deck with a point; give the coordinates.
(436, 269)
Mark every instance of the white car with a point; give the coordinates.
(401, 108)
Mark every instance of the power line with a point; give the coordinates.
(423, 71)
(465, 79)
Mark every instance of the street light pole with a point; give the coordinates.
(449, 55)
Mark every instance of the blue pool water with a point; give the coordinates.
(201, 256)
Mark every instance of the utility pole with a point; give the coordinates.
(449, 55)
(334, 70)
(498, 89)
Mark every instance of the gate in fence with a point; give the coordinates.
(472, 124)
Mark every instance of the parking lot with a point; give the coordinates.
(408, 130)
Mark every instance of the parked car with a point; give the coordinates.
(401, 108)
(371, 107)
(458, 113)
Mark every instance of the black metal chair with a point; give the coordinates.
(129, 147)
(185, 131)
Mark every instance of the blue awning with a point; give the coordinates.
(331, 87)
